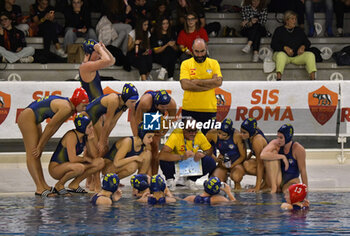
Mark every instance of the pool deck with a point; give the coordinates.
(325, 173)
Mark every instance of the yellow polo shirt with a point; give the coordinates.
(176, 142)
(199, 101)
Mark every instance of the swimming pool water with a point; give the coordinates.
(252, 214)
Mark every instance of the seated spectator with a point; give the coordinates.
(130, 154)
(290, 45)
(13, 46)
(160, 11)
(212, 188)
(119, 15)
(254, 16)
(232, 152)
(139, 10)
(78, 23)
(186, 36)
(341, 6)
(312, 6)
(139, 49)
(181, 145)
(297, 6)
(15, 11)
(66, 164)
(163, 43)
(185, 7)
(43, 17)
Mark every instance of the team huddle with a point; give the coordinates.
(84, 152)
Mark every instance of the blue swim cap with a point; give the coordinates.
(141, 132)
(88, 46)
(162, 97)
(157, 184)
(140, 182)
(287, 131)
(250, 124)
(129, 92)
(110, 182)
(212, 185)
(226, 126)
(81, 122)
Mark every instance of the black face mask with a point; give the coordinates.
(200, 59)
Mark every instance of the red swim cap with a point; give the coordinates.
(297, 192)
(79, 96)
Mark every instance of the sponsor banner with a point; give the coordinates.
(344, 128)
(310, 106)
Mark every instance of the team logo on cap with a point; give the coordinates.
(323, 104)
(5, 104)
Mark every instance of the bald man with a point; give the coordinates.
(199, 76)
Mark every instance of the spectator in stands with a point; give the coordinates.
(66, 164)
(13, 46)
(312, 6)
(341, 6)
(78, 23)
(163, 43)
(186, 36)
(119, 15)
(254, 16)
(15, 11)
(199, 76)
(185, 7)
(139, 10)
(139, 49)
(290, 45)
(296, 6)
(43, 16)
(160, 10)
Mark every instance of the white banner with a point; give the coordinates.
(310, 106)
(344, 129)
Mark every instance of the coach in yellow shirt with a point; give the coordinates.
(199, 76)
(181, 145)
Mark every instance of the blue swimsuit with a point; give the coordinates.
(202, 200)
(293, 170)
(153, 108)
(42, 109)
(95, 109)
(113, 151)
(153, 201)
(93, 89)
(228, 147)
(250, 144)
(95, 197)
(61, 155)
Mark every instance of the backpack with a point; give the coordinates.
(342, 57)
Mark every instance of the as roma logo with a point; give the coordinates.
(5, 104)
(323, 104)
(223, 99)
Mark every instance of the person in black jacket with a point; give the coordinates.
(78, 23)
(290, 45)
(13, 45)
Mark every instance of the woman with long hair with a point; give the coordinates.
(139, 49)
